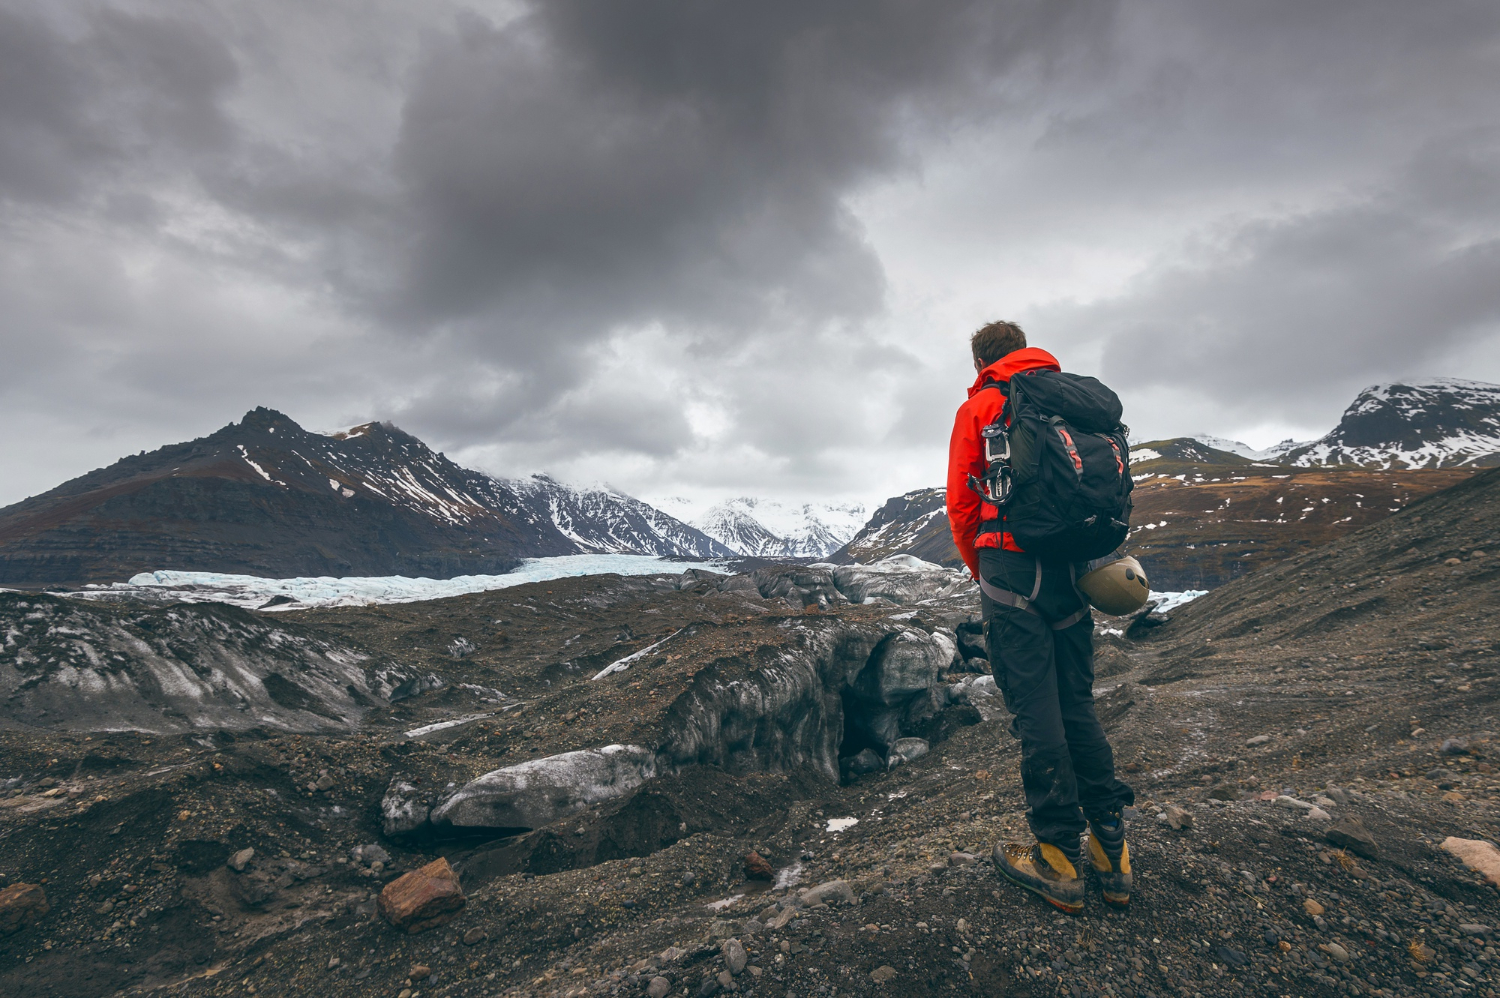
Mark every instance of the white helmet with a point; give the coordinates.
(1116, 587)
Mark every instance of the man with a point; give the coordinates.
(1042, 656)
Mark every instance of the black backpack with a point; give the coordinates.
(1058, 467)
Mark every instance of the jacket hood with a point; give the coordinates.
(1024, 359)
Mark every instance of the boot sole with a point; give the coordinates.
(1062, 906)
(1116, 901)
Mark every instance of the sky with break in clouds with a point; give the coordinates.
(710, 249)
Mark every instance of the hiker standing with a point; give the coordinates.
(1056, 450)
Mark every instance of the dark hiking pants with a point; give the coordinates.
(1046, 675)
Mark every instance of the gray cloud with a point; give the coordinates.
(701, 246)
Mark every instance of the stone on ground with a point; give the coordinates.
(422, 899)
(1350, 834)
(1477, 855)
(832, 890)
(735, 956)
(756, 867)
(21, 905)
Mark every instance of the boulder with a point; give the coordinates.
(867, 760)
(908, 750)
(901, 578)
(756, 867)
(404, 808)
(801, 585)
(1477, 855)
(700, 578)
(829, 891)
(536, 793)
(21, 905)
(1348, 833)
(1179, 818)
(735, 956)
(422, 899)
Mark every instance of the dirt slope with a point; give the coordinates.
(1334, 678)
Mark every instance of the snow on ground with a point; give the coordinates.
(1167, 602)
(251, 591)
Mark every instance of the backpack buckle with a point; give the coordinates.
(994, 488)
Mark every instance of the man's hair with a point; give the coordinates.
(994, 340)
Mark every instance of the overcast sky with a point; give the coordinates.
(711, 249)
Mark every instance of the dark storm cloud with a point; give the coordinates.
(126, 91)
(733, 244)
(594, 164)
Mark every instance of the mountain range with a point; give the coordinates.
(266, 497)
(1434, 423)
(766, 528)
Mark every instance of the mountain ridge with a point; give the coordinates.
(264, 496)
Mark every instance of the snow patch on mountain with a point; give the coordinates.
(1274, 453)
(607, 521)
(1433, 423)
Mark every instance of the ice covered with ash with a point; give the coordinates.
(251, 591)
(536, 793)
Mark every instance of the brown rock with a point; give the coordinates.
(756, 867)
(422, 899)
(21, 905)
(1312, 907)
(474, 937)
(1179, 818)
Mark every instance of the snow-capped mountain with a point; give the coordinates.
(607, 521)
(1439, 423)
(266, 497)
(1273, 454)
(915, 523)
(770, 529)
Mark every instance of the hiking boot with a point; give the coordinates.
(1046, 870)
(1110, 857)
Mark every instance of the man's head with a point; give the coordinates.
(994, 340)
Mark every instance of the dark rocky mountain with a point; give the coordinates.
(1441, 423)
(266, 497)
(915, 523)
(606, 521)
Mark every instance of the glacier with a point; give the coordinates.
(251, 591)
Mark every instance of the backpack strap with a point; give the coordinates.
(1007, 598)
(1026, 603)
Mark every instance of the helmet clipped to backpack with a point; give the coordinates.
(1117, 586)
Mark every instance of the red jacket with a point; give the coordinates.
(966, 453)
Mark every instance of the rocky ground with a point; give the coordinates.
(1302, 742)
